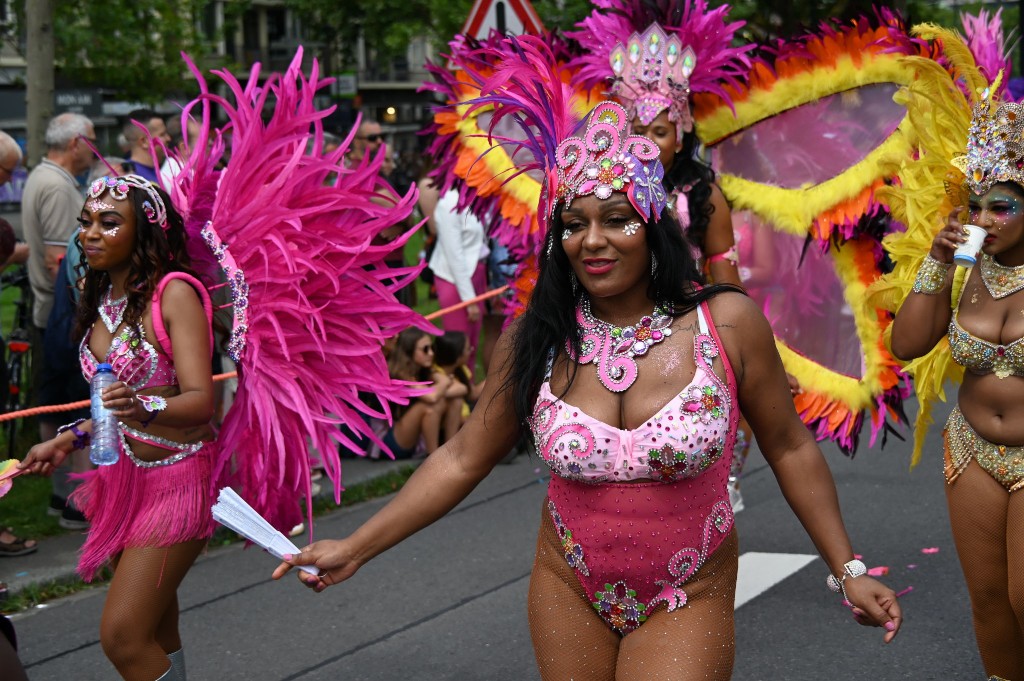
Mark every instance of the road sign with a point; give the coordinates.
(512, 17)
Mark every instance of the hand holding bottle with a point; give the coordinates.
(106, 446)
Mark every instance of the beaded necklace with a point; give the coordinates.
(1000, 280)
(112, 311)
(614, 349)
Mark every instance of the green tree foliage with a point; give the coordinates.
(562, 14)
(386, 26)
(133, 47)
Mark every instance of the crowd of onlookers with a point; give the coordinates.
(461, 264)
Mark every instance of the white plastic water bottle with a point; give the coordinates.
(105, 447)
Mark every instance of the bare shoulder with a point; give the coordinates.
(732, 308)
(509, 333)
(717, 196)
(738, 319)
(179, 291)
(720, 231)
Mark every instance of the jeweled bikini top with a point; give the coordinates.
(685, 438)
(134, 359)
(981, 356)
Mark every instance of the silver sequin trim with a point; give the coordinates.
(183, 451)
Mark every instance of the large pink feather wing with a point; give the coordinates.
(313, 298)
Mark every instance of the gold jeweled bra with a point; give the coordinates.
(982, 356)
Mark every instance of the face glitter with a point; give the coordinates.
(97, 206)
(998, 204)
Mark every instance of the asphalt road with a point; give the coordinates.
(450, 602)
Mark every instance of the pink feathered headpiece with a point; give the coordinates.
(606, 159)
(655, 56)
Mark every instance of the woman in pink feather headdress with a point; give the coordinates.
(654, 55)
(291, 232)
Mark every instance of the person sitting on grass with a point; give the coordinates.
(451, 353)
(413, 360)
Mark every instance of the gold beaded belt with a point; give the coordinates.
(1005, 464)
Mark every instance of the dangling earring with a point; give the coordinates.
(551, 244)
(574, 283)
(654, 266)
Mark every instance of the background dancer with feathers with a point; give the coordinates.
(965, 323)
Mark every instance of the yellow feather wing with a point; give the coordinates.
(927, 190)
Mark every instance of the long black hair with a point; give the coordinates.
(550, 318)
(689, 171)
(157, 252)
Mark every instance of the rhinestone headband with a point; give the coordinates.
(606, 159)
(995, 148)
(118, 188)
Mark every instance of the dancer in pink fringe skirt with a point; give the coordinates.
(143, 311)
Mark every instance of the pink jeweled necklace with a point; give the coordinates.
(614, 349)
(112, 311)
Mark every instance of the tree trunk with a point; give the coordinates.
(38, 75)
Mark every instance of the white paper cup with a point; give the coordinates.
(967, 254)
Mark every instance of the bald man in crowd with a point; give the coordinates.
(10, 159)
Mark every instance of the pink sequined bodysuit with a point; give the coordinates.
(134, 359)
(633, 546)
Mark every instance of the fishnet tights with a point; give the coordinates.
(140, 617)
(572, 642)
(988, 527)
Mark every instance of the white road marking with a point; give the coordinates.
(761, 571)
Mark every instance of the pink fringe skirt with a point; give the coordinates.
(129, 506)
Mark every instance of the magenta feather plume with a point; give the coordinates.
(466, 55)
(705, 31)
(302, 229)
(527, 93)
(523, 87)
(987, 44)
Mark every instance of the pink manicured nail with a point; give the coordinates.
(890, 626)
(287, 556)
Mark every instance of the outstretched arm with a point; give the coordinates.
(441, 482)
(792, 453)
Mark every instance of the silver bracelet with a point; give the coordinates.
(931, 276)
(854, 568)
(82, 438)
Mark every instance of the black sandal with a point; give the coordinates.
(17, 546)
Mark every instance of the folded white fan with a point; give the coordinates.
(232, 512)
